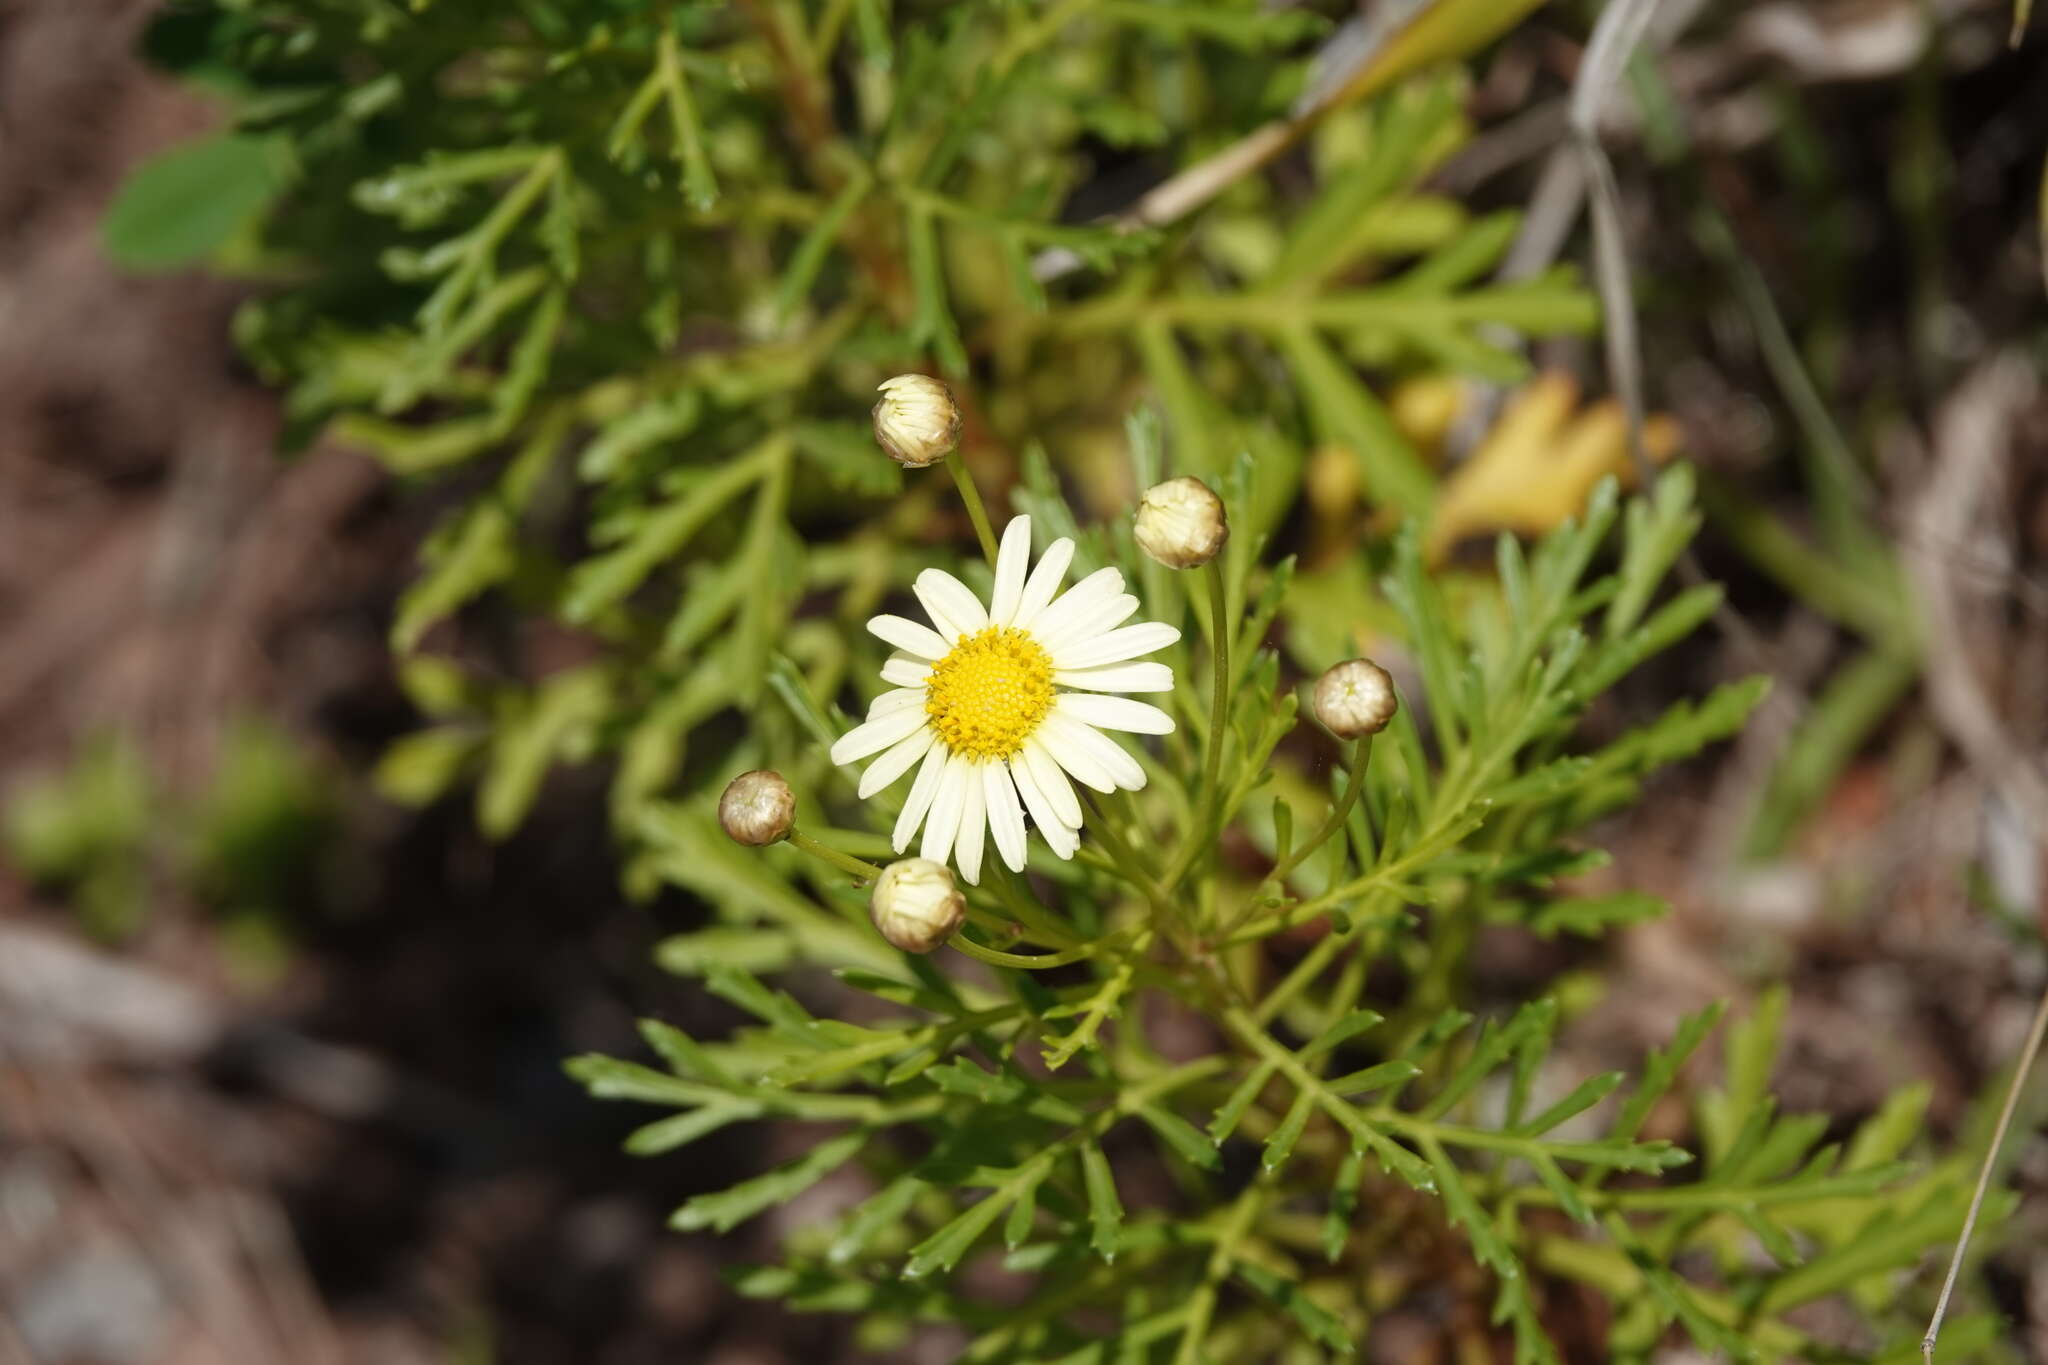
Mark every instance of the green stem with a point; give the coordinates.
(1164, 919)
(1219, 692)
(1308, 969)
(1384, 877)
(1123, 857)
(1237, 1225)
(845, 862)
(1015, 893)
(999, 926)
(1453, 927)
(1361, 754)
(1036, 34)
(1372, 1125)
(971, 496)
(1027, 961)
(1207, 798)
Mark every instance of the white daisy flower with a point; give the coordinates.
(998, 705)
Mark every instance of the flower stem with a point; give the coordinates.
(1027, 961)
(1209, 799)
(1361, 754)
(1122, 856)
(976, 513)
(1013, 891)
(845, 862)
(1201, 837)
(1219, 691)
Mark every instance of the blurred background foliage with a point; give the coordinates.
(607, 287)
(248, 843)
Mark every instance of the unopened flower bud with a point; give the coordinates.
(916, 420)
(1355, 698)
(757, 808)
(915, 905)
(1181, 523)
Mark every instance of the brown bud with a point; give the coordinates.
(757, 808)
(1355, 698)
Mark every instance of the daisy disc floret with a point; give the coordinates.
(1001, 706)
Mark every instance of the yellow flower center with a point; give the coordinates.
(988, 695)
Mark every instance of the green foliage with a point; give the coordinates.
(108, 835)
(88, 830)
(624, 279)
(194, 200)
(257, 830)
(632, 276)
(985, 1122)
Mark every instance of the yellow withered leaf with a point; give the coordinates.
(1539, 463)
(1424, 409)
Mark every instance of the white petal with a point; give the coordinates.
(1114, 713)
(973, 828)
(922, 789)
(1058, 837)
(910, 637)
(1052, 784)
(1085, 596)
(951, 604)
(895, 700)
(873, 736)
(944, 821)
(896, 760)
(1068, 738)
(1145, 677)
(1005, 816)
(1117, 646)
(1084, 626)
(1074, 756)
(1044, 581)
(1012, 559)
(905, 670)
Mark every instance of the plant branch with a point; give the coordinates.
(845, 862)
(2020, 1069)
(971, 496)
